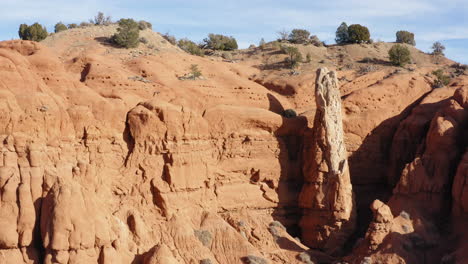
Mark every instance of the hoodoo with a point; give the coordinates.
(327, 196)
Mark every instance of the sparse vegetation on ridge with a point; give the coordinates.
(60, 27)
(438, 49)
(399, 55)
(299, 36)
(142, 24)
(194, 71)
(35, 32)
(128, 33)
(314, 40)
(342, 35)
(171, 39)
(190, 47)
(441, 78)
(85, 24)
(405, 37)
(358, 34)
(101, 20)
(220, 42)
(283, 35)
(294, 56)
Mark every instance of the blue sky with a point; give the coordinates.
(250, 20)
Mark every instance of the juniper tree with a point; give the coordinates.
(128, 33)
(60, 27)
(407, 37)
(358, 33)
(438, 48)
(342, 34)
(399, 55)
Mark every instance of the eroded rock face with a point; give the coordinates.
(93, 174)
(97, 167)
(460, 188)
(428, 184)
(327, 197)
(428, 178)
(460, 182)
(381, 224)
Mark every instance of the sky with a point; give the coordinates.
(250, 20)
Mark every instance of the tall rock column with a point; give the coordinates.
(326, 199)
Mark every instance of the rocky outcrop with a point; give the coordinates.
(429, 177)
(460, 188)
(67, 236)
(427, 185)
(380, 226)
(327, 198)
(460, 182)
(103, 171)
(387, 239)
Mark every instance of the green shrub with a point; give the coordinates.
(399, 55)
(22, 31)
(35, 32)
(220, 42)
(441, 79)
(101, 20)
(60, 27)
(275, 45)
(405, 37)
(294, 56)
(342, 35)
(438, 48)
(144, 25)
(85, 24)
(299, 36)
(194, 71)
(190, 47)
(73, 25)
(171, 39)
(143, 40)
(358, 34)
(128, 33)
(314, 40)
(289, 113)
(366, 69)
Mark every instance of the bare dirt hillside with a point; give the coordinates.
(109, 156)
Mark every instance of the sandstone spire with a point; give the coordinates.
(326, 198)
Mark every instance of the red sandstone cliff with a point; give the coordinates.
(98, 166)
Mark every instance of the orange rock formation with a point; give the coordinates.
(108, 157)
